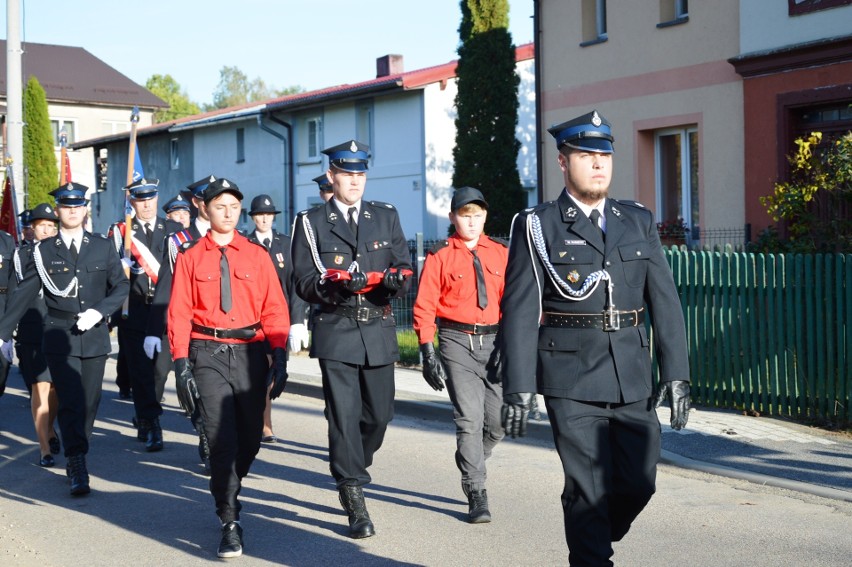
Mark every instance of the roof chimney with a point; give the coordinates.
(388, 65)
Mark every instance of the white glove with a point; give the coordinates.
(152, 346)
(6, 349)
(127, 262)
(88, 319)
(298, 338)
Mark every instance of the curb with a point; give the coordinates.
(419, 406)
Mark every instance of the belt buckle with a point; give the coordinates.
(611, 320)
(216, 333)
(476, 328)
(362, 314)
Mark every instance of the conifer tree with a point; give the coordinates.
(41, 169)
(486, 150)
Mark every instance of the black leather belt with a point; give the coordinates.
(146, 299)
(241, 333)
(361, 314)
(57, 314)
(474, 329)
(606, 321)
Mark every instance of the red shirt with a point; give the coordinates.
(447, 286)
(255, 293)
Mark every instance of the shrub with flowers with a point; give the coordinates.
(673, 229)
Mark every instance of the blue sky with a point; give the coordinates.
(312, 43)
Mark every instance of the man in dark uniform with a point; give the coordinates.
(7, 251)
(177, 209)
(326, 191)
(350, 257)
(146, 255)
(583, 270)
(156, 329)
(263, 212)
(226, 303)
(84, 283)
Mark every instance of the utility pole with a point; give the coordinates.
(14, 93)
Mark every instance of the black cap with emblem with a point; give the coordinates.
(323, 183)
(43, 211)
(262, 204)
(176, 204)
(467, 195)
(220, 186)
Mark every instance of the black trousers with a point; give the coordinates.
(358, 406)
(609, 455)
(231, 382)
(162, 366)
(78, 383)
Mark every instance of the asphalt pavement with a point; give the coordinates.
(724, 480)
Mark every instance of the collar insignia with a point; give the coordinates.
(615, 211)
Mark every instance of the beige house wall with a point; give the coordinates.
(643, 78)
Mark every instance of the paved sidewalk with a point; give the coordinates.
(764, 450)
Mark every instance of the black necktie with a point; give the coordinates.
(73, 248)
(595, 218)
(353, 226)
(481, 292)
(267, 243)
(149, 235)
(224, 282)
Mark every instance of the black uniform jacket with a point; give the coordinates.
(589, 364)
(380, 245)
(141, 286)
(279, 252)
(101, 286)
(31, 326)
(162, 293)
(7, 271)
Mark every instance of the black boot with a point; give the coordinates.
(142, 426)
(352, 500)
(154, 439)
(478, 512)
(78, 474)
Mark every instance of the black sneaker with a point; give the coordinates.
(232, 540)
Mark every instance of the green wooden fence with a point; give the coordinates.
(768, 333)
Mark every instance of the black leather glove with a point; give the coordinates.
(357, 283)
(494, 366)
(433, 370)
(393, 279)
(187, 392)
(678, 393)
(277, 373)
(516, 413)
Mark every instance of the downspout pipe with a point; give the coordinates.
(289, 192)
(538, 117)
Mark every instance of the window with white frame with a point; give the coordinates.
(364, 122)
(57, 125)
(594, 22)
(676, 156)
(241, 145)
(110, 127)
(174, 153)
(673, 12)
(313, 134)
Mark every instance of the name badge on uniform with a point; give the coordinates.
(575, 243)
(280, 257)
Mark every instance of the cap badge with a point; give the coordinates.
(596, 120)
(70, 187)
(573, 276)
(48, 209)
(225, 183)
(266, 202)
(353, 147)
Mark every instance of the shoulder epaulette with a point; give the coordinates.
(380, 205)
(501, 241)
(256, 243)
(438, 246)
(631, 203)
(187, 245)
